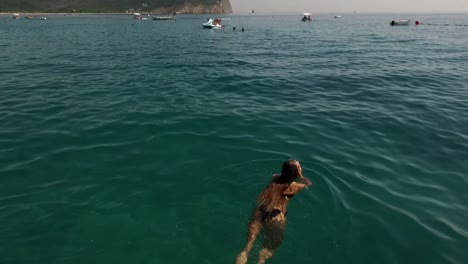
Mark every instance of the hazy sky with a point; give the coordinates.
(336, 6)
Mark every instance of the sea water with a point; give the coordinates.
(128, 141)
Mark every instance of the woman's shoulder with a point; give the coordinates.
(293, 188)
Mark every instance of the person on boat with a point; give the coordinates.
(270, 212)
(304, 18)
(242, 30)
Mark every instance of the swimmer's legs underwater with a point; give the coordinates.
(254, 228)
(274, 235)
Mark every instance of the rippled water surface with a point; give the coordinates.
(125, 141)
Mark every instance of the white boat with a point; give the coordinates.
(401, 22)
(306, 17)
(338, 16)
(164, 18)
(139, 16)
(43, 18)
(168, 17)
(16, 16)
(213, 23)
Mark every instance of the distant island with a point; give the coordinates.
(117, 6)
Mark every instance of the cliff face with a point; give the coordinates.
(117, 6)
(221, 7)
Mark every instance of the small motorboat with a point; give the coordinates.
(213, 23)
(164, 18)
(138, 16)
(173, 17)
(338, 16)
(306, 17)
(16, 16)
(401, 22)
(43, 18)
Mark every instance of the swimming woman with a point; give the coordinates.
(270, 213)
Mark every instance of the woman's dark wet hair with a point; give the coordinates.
(274, 193)
(289, 172)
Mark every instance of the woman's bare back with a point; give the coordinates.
(270, 212)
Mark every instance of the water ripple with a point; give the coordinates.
(168, 130)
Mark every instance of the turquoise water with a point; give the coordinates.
(125, 141)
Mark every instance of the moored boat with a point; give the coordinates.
(213, 23)
(164, 18)
(173, 17)
(400, 22)
(139, 16)
(306, 17)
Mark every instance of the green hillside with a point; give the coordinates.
(95, 6)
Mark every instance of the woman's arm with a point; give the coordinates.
(306, 181)
(294, 188)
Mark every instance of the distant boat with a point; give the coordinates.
(29, 17)
(43, 18)
(213, 23)
(16, 16)
(306, 17)
(137, 16)
(173, 17)
(253, 11)
(338, 16)
(164, 18)
(401, 22)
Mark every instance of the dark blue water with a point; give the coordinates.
(125, 141)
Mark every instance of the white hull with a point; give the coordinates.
(402, 22)
(164, 18)
(212, 24)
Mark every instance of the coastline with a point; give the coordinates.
(41, 13)
(113, 14)
(248, 13)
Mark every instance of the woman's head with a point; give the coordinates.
(274, 193)
(290, 171)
